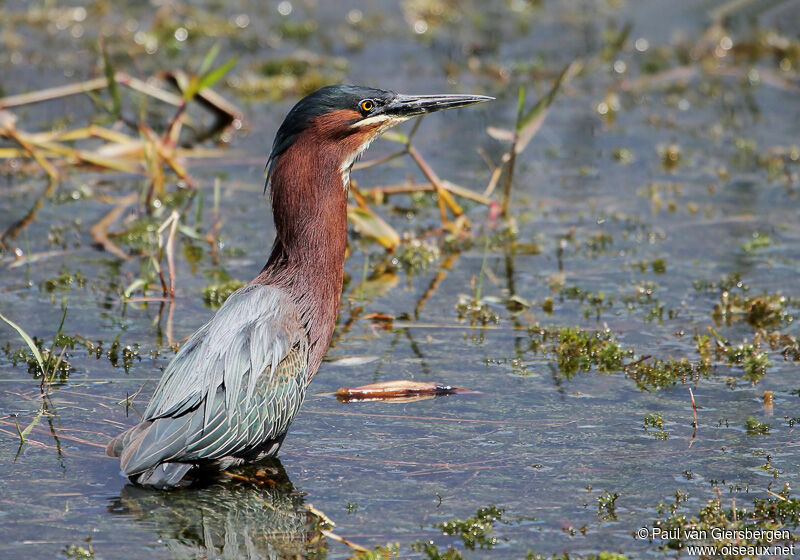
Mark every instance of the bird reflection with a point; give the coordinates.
(254, 514)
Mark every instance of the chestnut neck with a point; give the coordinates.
(309, 204)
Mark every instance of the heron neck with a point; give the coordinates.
(309, 204)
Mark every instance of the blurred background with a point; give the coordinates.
(607, 255)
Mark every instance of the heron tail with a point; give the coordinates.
(147, 450)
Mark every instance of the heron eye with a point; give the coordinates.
(367, 105)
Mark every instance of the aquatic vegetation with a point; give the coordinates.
(64, 281)
(655, 422)
(576, 350)
(380, 552)
(124, 356)
(431, 551)
(80, 552)
(787, 344)
(659, 266)
(214, 295)
(476, 530)
(754, 427)
(46, 364)
(766, 310)
(720, 525)
(606, 506)
(660, 374)
(141, 235)
(416, 255)
(477, 311)
(754, 361)
(623, 155)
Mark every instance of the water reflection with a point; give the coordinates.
(258, 516)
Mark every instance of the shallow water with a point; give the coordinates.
(540, 444)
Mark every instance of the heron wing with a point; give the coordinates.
(252, 430)
(253, 331)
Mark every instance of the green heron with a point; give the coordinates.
(230, 393)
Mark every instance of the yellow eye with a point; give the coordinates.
(367, 105)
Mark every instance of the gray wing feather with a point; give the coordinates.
(253, 331)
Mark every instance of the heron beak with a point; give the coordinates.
(406, 106)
